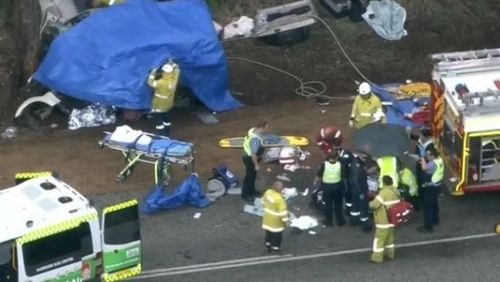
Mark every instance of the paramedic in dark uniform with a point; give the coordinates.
(331, 176)
(433, 167)
(424, 143)
(253, 149)
(358, 179)
(345, 158)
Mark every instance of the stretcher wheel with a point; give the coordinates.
(121, 177)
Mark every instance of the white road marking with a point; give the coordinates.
(288, 257)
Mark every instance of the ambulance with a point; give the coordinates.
(50, 233)
(465, 118)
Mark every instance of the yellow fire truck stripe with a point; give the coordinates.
(56, 228)
(120, 206)
(124, 274)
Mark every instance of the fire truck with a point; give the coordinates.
(465, 118)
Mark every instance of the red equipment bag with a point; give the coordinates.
(400, 213)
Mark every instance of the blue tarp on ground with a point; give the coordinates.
(395, 113)
(107, 57)
(189, 192)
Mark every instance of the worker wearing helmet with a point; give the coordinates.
(328, 139)
(164, 82)
(366, 109)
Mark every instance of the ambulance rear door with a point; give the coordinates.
(121, 239)
(55, 253)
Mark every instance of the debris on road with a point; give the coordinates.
(91, 116)
(256, 209)
(292, 167)
(234, 191)
(197, 215)
(305, 193)
(9, 133)
(304, 222)
(289, 193)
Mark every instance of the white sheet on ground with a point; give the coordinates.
(241, 27)
(387, 18)
(304, 222)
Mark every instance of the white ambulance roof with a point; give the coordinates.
(30, 201)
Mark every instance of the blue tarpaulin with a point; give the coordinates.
(395, 113)
(189, 192)
(107, 57)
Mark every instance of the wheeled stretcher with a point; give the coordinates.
(158, 150)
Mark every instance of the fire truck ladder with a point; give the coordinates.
(466, 55)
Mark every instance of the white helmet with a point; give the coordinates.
(364, 88)
(168, 68)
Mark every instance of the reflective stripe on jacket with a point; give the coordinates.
(388, 166)
(332, 173)
(275, 211)
(247, 147)
(386, 198)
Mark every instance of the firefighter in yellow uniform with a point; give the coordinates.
(164, 83)
(383, 244)
(366, 108)
(275, 216)
(388, 165)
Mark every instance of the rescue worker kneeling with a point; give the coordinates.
(383, 244)
(275, 216)
(408, 186)
(331, 175)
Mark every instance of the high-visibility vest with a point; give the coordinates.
(275, 211)
(408, 178)
(246, 142)
(332, 173)
(388, 166)
(438, 174)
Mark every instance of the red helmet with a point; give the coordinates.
(331, 135)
